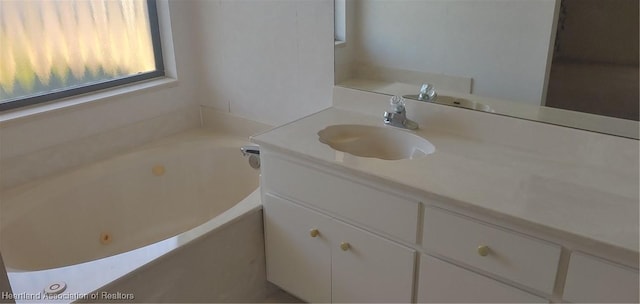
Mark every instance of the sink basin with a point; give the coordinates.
(387, 143)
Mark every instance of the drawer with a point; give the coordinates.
(514, 256)
(361, 204)
(591, 279)
(440, 282)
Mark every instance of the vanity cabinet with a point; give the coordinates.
(442, 282)
(333, 236)
(320, 259)
(366, 206)
(595, 280)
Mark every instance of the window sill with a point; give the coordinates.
(75, 101)
(339, 43)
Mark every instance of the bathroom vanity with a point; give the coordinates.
(479, 219)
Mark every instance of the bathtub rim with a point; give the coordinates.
(202, 138)
(22, 281)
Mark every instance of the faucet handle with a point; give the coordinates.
(397, 115)
(250, 150)
(397, 104)
(427, 92)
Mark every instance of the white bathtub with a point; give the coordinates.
(93, 225)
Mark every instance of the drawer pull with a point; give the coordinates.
(314, 232)
(483, 250)
(345, 246)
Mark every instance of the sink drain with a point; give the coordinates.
(55, 288)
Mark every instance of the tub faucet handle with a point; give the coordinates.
(253, 152)
(250, 150)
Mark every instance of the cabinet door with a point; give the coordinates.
(440, 282)
(367, 268)
(298, 260)
(591, 279)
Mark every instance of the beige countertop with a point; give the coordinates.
(590, 200)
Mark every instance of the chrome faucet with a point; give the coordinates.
(397, 115)
(253, 153)
(427, 93)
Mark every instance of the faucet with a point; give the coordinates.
(427, 93)
(397, 115)
(253, 153)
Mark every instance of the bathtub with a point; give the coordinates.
(87, 228)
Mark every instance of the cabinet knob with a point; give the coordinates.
(314, 232)
(345, 246)
(483, 250)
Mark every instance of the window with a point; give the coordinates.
(52, 49)
(339, 20)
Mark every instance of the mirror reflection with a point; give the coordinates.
(566, 62)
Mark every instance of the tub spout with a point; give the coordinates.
(253, 152)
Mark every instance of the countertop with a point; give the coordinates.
(589, 200)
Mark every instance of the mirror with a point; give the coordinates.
(566, 62)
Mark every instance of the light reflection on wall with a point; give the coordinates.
(46, 45)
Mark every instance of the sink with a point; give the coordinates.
(386, 143)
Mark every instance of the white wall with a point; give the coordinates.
(502, 44)
(265, 60)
